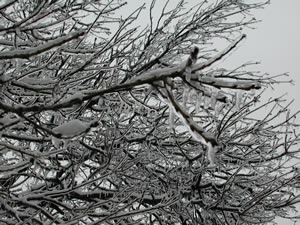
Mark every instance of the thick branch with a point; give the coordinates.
(40, 49)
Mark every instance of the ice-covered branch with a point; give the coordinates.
(221, 55)
(221, 83)
(195, 130)
(148, 78)
(40, 49)
(6, 4)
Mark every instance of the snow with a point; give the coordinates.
(157, 74)
(70, 130)
(78, 97)
(8, 119)
(35, 81)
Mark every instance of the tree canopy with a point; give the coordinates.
(110, 117)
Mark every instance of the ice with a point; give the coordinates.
(231, 84)
(188, 74)
(185, 95)
(198, 102)
(171, 117)
(213, 99)
(35, 81)
(211, 154)
(238, 99)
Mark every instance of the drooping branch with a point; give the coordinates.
(195, 130)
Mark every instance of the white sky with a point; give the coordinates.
(276, 44)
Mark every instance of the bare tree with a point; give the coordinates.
(104, 121)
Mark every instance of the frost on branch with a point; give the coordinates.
(134, 168)
(40, 49)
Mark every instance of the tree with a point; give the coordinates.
(107, 122)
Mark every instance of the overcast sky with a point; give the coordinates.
(276, 44)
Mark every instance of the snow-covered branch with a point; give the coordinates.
(195, 130)
(40, 49)
(6, 3)
(137, 125)
(222, 83)
(219, 56)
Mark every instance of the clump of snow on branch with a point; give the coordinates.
(70, 130)
(78, 96)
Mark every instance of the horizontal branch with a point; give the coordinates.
(145, 78)
(221, 83)
(26, 53)
(7, 4)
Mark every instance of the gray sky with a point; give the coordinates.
(275, 43)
